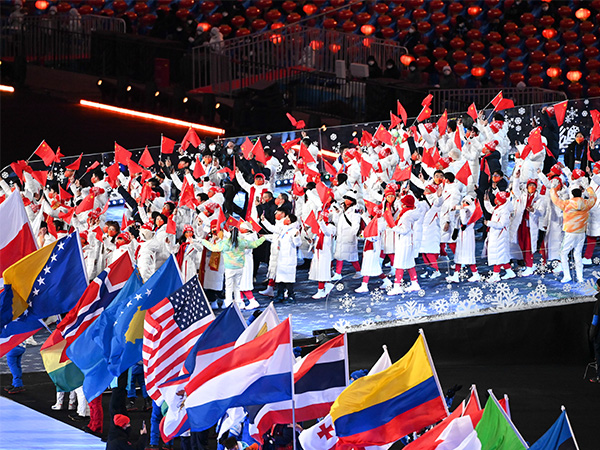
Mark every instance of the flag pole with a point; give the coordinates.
(569, 424)
(435, 376)
(507, 405)
(45, 326)
(512, 425)
(293, 390)
(36, 149)
(346, 361)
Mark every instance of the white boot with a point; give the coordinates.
(494, 278)
(320, 294)
(527, 272)
(357, 275)
(586, 261)
(509, 274)
(414, 287)
(227, 303)
(386, 283)
(60, 397)
(241, 305)
(435, 275)
(364, 287)
(397, 289)
(453, 279)
(328, 288)
(269, 292)
(253, 304)
(566, 278)
(336, 276)
(475, 277)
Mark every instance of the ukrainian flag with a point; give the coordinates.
(381, 408)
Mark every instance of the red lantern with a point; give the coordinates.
(436, 5)
(586, 27)
(277, 26)
(337, 3)
(512, 40)
(334, 48)
(535, 69)
(41, 5)
(440, 64)
(242, 32)
(546, 21)
(514, 52)
(440, 53)
(349, 26)
(591, 52)
(528, 30)
(118, 5)
(474, 34)
(288, 6)
(316, 45)
(549, 33)
(555, 83)
(455, 8)
(204, 26)
(423, 62)
(276, 39)
(274, 15)
(497, 75)
(532, 43)
(511, 28)
(575, 89)
(225, 30)
(438, 17)
(478, 71)
(367, 42)
(592, 65)
(309, 9)
(424, 27)
(494, 14)
(569, 49)
(476, 47)
(129, 14)
(252, 12)
(553, 72)
(387, 32)
(293, 18)
(583, 14)
(567, 23)
(87, 9)
(516, 78)
(215, 19)
(442, 29)
(593, 91)
(381, 8)
(344, 15)
(384, 21)
(553, 59)
(403, 23)
(367, 30)
(362, 18)
(551, 46)
(537, 56)
(515, 66)
(535, 81)
(259, 24)
(420, 49)
(147, 20)
(238, 21)
(527, 18)
(207, 7)
(329, 24)
(474, 11)
(574, 76)
(570, 36)
(460, 69)
(459, 55)
(593, 78)
(186, 4)
(573, 62)
(407, 59)
(564, 11)
(496, 49)
(398, 12)
(497, 62)
(478, 59)
(419, 14)
(588, 40)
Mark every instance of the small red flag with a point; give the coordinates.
(323, 192)
(395, 120)
(86, 204)
(134, 168)
(18, 168)
(477, 213)
(122, 156)
(45, 152)
(64, 195)
(365, 169)
(258, 152)
(298, 124)
(98, 232)
(401, 112)
(305, 154)
(329, 168)
(389, 218)
(472, 111)
(535, 140)
(297, 190)
(457, 140)
(370, 206)
(402, 174)
(67, 216)
(595, 133)
(311, 221)
(51, 227)
(146, 159)
(146, 175)
(188, 196)
(560, 110)
(366, 138)
(40, 176)
(190, 138)
(312, 173)
(247, 148)
(171, 226)
(58, 156)
(442, 123)
(497, 99)
(232, 222)
(75, 164)
(505, 104)
(371, 229)
(289, 144)
(424, 114)
(228, 171)
(430, 157)
(427, 101)
(464, 173)
(198, 169)
(220, 218)
(383, 135)
(113, 172)
(256, 227)
(166, 145)
(92, 167)
(123, 223)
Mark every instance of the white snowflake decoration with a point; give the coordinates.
(518, 128)
(584, 113)
(518, 120)
(522, 111)
(567, 287)
(376, 296)
(571, 115)
(421, 293)
(341, 325)
(475, 294)
(333, 136)
(596, 260)
(441, 306)
(347, 302)
(466, 306)
(4, 175)
(339, 286)
(368, 323)
(269, 137)
(411, 310)
(368, 310)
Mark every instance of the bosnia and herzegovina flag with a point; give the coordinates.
(382, 408)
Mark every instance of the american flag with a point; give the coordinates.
(170, 330)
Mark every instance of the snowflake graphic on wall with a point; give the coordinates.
(341, 325)
(475, 294)
(333, 136)
(570, 115)
(376, 297)
(347, 302)
(411, 310)
(339, 286)
(522, 111)
(466, 306)
(441, 306)
(454, 297)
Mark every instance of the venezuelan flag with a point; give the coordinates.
(381, 408)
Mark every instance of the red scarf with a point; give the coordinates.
(181, 253)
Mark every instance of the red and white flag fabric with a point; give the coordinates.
(16, 239)
(46, 153)
(171, 329)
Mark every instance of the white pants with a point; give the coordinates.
(233, 277)
(572, 241)
(82, 404)
(60, 397)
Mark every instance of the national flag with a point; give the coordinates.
(58, 156)
(86, 204)
(171, 329)
(134, 168)
(442, 123)
(87, 351)
(63, 195)
(431, 156)
(297, 124)
(94, 165)
(51, 227)
(146, 159)
(45, 152)
(472, 111)
(402, 174)
(329, 168)
(535, 140)
(40, 176)
(255, 226)
(424, 114)
(496, 431)
(382, 408)
(560, 110)
(473, 406)
(365, 139)
(289, 144)
(371, 229)
(190, 138)
(166, 145)
(305, 154)
(247, 148)
(365, 168)
(21, 166)
(258, 152)
(65, 375)
(112, 173)
(477, 213)
(122, 155)
(220, 218)
(16, 239)
(199, 171)
(311, 222)
(319, 378)
(228, 171)
(427, 101)
(217, 340)
(389, 218)
(324, 192)
(67, 216)
(188, 195)
(383, 135)
(559, 437)
(75, 164)
(254, 373)
(321, 436)
(267, 321)
(595, 132)
(171, 226)
(35, 286)
(464, 173)
(457, 140)
(232, 222)
(497, 99)
(500, 103)
(121, 341)
(401, 112)
(394, 120)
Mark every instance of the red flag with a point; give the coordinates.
(51, 227)
(535, 140)
(18, 168)
(442, 123)
(123, 223)
(430, 157)
(256, 227)
(258, 152)
(58, 156)
(220, 219)
(289, 144)
(67, 216)
(190, 138)
(146, 175)
(134, 168)
(370, 207)
(371, 229)
(298, 124)
(464, 173)
(146, 159)
(424, 114)
(329, 168)
(311, 173)
(232, 222)
(477, 213)
(171, 226)
(113, 172)
(427, 101)
(64, 195)
(305, 154)
(560, 110)
(228, 171)
(75, 165)
(365, 168)
(198, 169)
(595, 133)
(457, 140)
(188, 196)
(40, 176)
(389, 218)
(497, 99)
(366, 138)
(401, 174)
(401, 112)
(323, 192)
(166, 145)
(45, 152)
(86, 204)
(472, 111)
(247, 148)
(395, 120)
(92, 167)
(98, 232)
(311, 221)
(122, 155)
(297, 190)
(383, 135)
(505, 103)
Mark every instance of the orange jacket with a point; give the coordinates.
(575, 211)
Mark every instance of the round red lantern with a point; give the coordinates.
(87, 9)
(551, 46)
(474, 11)
(334, 48)
(549, 33)
(569, 49)
(532, 43)
(438, 17)
(238, 21)
(514, 52)
(293, 18)
(288, 6)
(593, 91)
(511, 28)
(329, 23)
(384, 21)
(407, 59)
(497, 62)
(259, 24)
(455, 8)
(535, 81)
(441, 29)
(225, 30)
(242, 32)
(564, 11)
(537, 56)
(349, 26)
(497, 75)
(553, 72)
(592, 65)
(588, 39)
(494, 14)
(424, 27)
(460, 69)
(516, 78)
(420, 49)
(440, 53)
(344, 15)
(274, 15)
(403, 23)
(381, 8)
(459, 55)
(309, 9)
(553, 59)
(419, 14)
(367, 30)
(252, 12)
(423, 62)
(583, 14)
(457, 43)
(387, 32)
(478, 71)
(574, 75)
(398, 12)
(478, 59)
(567, 24)
(535, 69)
(362, 18)
(474, 34)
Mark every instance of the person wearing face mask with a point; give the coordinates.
(374, 69)
(576, 153)
(448, 79)
(415, 76)
(465, 241)
(275, 229)
(288, 242)
(320, 266)
(391, 70)
(498, 239)
(347, 222)
(528, 213)
(430, 238)
(552, 222)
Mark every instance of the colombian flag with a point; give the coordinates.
(381, 408)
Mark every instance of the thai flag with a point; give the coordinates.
(319, 378)
(255, 373)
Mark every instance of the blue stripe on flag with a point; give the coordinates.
(322, 376)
